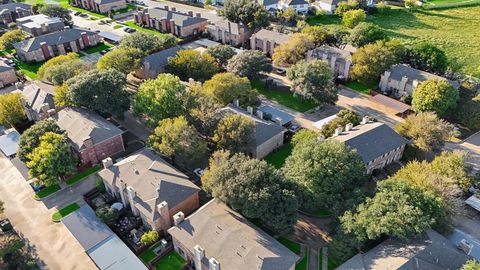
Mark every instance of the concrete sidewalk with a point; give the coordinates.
(51, 243)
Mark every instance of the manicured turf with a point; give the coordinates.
(148, 254)
(285, 98)
(29, 69)
(57, 216)
(97, 48)
(131, 24)
(47, 191)
(293, 246)
(117, 26)
(171, 261)
(82, 175)
(303, 263)
(277, 159)
(454, 30)
(359, 87)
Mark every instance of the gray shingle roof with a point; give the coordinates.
(372, 140)
(276, 36)
(331, 51)
(267, 2)
(231, 27)
(159, 59)
(428, 251)
(181, 19)
(54, 38)
(283, 116)
(402, 70)
(296, 2)
(36, 97)
(4, 67)
(103, 2)
(264, 130)
(80, 123)
(153, 179)
(13, 6)
(232, 240)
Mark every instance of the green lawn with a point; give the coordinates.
(303, 263)
(29, 69)
(359, 87)
(97, 48)
(57, 216)
(131, 24)
(455, 30)
(171, 261)
(277, 159)
(148, 254)
(47, 191)
(285, 98)
(117, 26)
(293, 246)
(82, 175)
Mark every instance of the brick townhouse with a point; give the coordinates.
(100, 6)
(267, 40)
(11, 11)
(169, 20)
(40, 24)
(7, 75)
(44, 47)
(92, 137)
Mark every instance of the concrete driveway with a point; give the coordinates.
(51, 243)
(470, 145)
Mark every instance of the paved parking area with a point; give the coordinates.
(51, 242)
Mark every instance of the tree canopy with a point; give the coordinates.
(294, 50)
(57, 11)
(427, 57)
(147, 43)
(365, 33)
(11, 109)
(250, 63)
(226, 87)
(100, 90)
(235, 133)
(313, 79)
(192, 64)
(30, 138)
(471, 265)
(178, 140)
(149, 237)
(248, 12)
(252, 187)
(222, 53)
(426, 130)
(352, 18)
(11, 37)
(108, 214)
(437, 96)
(124, 60)
(397, 210)
(343, 118)
(55, 61)
(329, 172)
(51, 159)
(370, 61)
(61, 72)
(160, 98)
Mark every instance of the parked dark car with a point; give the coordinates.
(37, 187)
(77, 13)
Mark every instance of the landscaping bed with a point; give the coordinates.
(83, 174)
(47, 192)
(57, 216)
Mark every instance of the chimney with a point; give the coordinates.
(87, 141)
(174, 9)
(190, 13)
(45, 50)
(84, 36)
(260, 114)
(236, 102)
(164, 24)
(338, 131)
(213, 264)
(131, 196)
(166, 8)
(51, 112)
(44, 28)
(107, 162)
(364, 120)
(148, 22)
(178, 218)
(198, 14)
(45, 107)
(172, 26)
(198, 255)
(250, 110)
(165, 214)
(348, 127)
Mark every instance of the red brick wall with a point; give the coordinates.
(102, 150)
(188, 206)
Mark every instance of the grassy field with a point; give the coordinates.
(30, 70)
(57, 216)
(454, 30)
(277, 159)
(359, 87)
(284, 97)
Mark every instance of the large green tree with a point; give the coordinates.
(57, 11)
(343, 118)
(365, 33)
(61, 72)
(294, 50)
(11, 109)
(313, 79)
(329, 172)
(471, 265)
(11, 37)
(353, 17)
(235, 133)
(248, 12)
(222, 53)
(252, 187)
(100, 90)
(55, 61)
(437, 96)
(426, 130)
(30, 138)
(226, 87)
(203, 112)
(124, 60)
(370, 61)
(178, 140)
(147, 43)
(397, 210)
(427, 57)
(51, 159)
(192, 64)
(250, 64)
(160, 98)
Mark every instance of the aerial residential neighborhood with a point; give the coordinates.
(240, 134)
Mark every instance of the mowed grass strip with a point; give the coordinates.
(57, 216)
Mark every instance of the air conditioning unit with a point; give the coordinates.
(465, 246)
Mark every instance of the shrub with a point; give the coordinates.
(108, 215)
(353, 17)
(149, 237)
